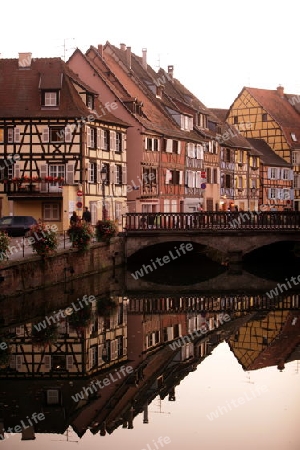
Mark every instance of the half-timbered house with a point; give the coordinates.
(276, 178)
(274, 117)
(61, 141)
(56, 347)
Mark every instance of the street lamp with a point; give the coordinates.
(103, 174)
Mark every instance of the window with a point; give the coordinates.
(240, 182)
(1, 134)
(227, 155)
(118, 174)
(208, 175)
(92, 172)
(272, 193)
(13, 135)
(57, 134)
(53, 397)
(215, 176)
(235, 120)
(119, 142)
(152, 144)
(296, 158)
(51, 211)
(227, 181)
(264, 117)
(107, 168)
(174, 177)
(92, 137)
(272, 175)
(285, 174)
(50, 98)
(175, 147)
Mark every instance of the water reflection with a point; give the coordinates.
(99, 367)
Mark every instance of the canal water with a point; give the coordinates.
(185, 367)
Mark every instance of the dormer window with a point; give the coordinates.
(50, 98)
(294, 137)
(90, 101)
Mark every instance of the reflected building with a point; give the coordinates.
(143, 348)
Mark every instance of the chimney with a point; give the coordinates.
(280, 91)
(170, 72)
(144, 59)
(146, 418)
(128, 57)
(25, 60)
(123, 47)
(100, 50)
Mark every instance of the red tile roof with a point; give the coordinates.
(20, 91)
(281, 110)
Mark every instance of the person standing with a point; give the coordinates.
(87, 215)
(74, 218)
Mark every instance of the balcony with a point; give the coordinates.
(33, 190)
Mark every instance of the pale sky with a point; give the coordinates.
(216, 47)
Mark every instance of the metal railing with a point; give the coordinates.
(246, 220)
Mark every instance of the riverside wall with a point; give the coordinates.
(32, 273)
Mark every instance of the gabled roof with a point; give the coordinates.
(278, 106)
(269, 157)
(20, 91)
(154, 117)
(220, 113)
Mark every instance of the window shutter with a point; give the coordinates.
(124, 345)
(269, 173)
(292, 194)
(169, 145)
(89, 171)
(278, 174)
(123, 142)
(19, 362)
(100, 353)
(112, 137)
(16, 170)
(124, 175)
(17, 135)
(47, 362)
(190, 123)
(98, 138)
(43, 174)
(45, 135)
(88, 136)
(199, 151)
(12, 361)
(99, 173)
(70, 173)
(269, 193)
(179, 147)
(180, 177)
(69, 362)
(102, 139)
(168, 176)
(68, 134)
(198, 179)
(182, 122)
(112, 174)
(291, 177)
(10, 135)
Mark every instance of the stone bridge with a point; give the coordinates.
(233, 234)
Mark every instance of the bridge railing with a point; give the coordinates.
(219, 220)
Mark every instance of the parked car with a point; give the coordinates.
(16, 225)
